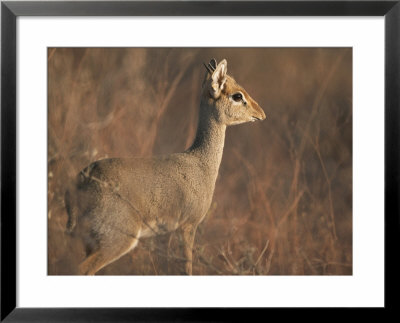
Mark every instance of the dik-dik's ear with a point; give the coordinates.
(218, 79)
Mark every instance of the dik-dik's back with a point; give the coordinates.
(158, 192)
(118, 201)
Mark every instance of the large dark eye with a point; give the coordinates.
(237, 97)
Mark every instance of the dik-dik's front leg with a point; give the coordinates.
(188, 233)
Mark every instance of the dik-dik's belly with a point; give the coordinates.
(163, 212)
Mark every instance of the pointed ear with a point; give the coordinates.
(218, 79)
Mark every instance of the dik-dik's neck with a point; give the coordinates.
(209, 142)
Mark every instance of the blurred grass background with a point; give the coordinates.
(283, 198)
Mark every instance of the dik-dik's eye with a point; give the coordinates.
(237, 97)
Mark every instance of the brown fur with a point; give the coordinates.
(118, 201)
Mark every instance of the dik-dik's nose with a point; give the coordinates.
(263, 116)
(259, 113)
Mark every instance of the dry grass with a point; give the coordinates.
(283, 199)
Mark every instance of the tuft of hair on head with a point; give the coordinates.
(211, 66)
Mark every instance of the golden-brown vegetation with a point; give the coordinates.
(283, 198)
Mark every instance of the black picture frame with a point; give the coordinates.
(10, 10)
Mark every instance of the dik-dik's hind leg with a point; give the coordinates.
(106, 255)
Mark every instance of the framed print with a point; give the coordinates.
(233, 248)
(131, 192)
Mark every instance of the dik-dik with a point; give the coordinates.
(121, 201)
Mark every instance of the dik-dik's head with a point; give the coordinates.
(230, 104)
